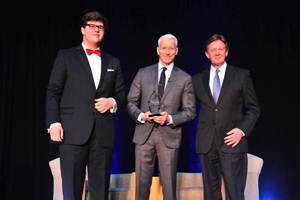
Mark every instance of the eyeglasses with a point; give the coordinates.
(93, 27)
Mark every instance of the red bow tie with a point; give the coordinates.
(90, 52)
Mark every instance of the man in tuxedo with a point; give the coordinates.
(228, 111)
(85, 90)
(170, 87)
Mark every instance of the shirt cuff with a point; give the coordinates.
(242, 133)
(171, 120)
(115, 107)
(52, 125)
(140, 118)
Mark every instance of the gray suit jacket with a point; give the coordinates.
(178, 99)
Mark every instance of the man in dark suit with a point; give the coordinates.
(85, 90)
(160, 135)
(228, 111)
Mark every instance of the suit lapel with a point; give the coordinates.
(104, 66)
(170, 82)
(206, 85)
(229, 74)
(82, 56)
(154, 76)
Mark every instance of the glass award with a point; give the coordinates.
(155, 104)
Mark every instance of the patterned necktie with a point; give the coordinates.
(90, 52)
(162, 82)
(216, 86)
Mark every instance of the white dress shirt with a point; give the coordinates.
(167, 72)
(95, 64)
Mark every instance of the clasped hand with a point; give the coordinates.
(103, 104)
(162, 119)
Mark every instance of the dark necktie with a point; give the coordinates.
(90, 52)
(162, 82)
(216, 86)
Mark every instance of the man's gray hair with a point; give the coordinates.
(168, 36)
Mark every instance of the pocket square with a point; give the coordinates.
(110, 70)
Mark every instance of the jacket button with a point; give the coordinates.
(216, 109)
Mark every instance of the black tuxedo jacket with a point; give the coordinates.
(71, 95)
(237, 106)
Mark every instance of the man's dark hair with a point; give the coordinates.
(93, 16)
(214, 38)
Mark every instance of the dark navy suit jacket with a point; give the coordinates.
(237, 106)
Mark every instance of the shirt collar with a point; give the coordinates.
(169, 67)
(85, 47)
(222, 68)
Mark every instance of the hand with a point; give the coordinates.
(164, 118)
(146, 117)
(234, 137)
(103, 104)
(57, 133)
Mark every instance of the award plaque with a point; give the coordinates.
(155, 104)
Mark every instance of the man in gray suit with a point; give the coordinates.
(170, 87)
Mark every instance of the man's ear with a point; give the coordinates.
(206, 54)
(82, 30)
(226, 54)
